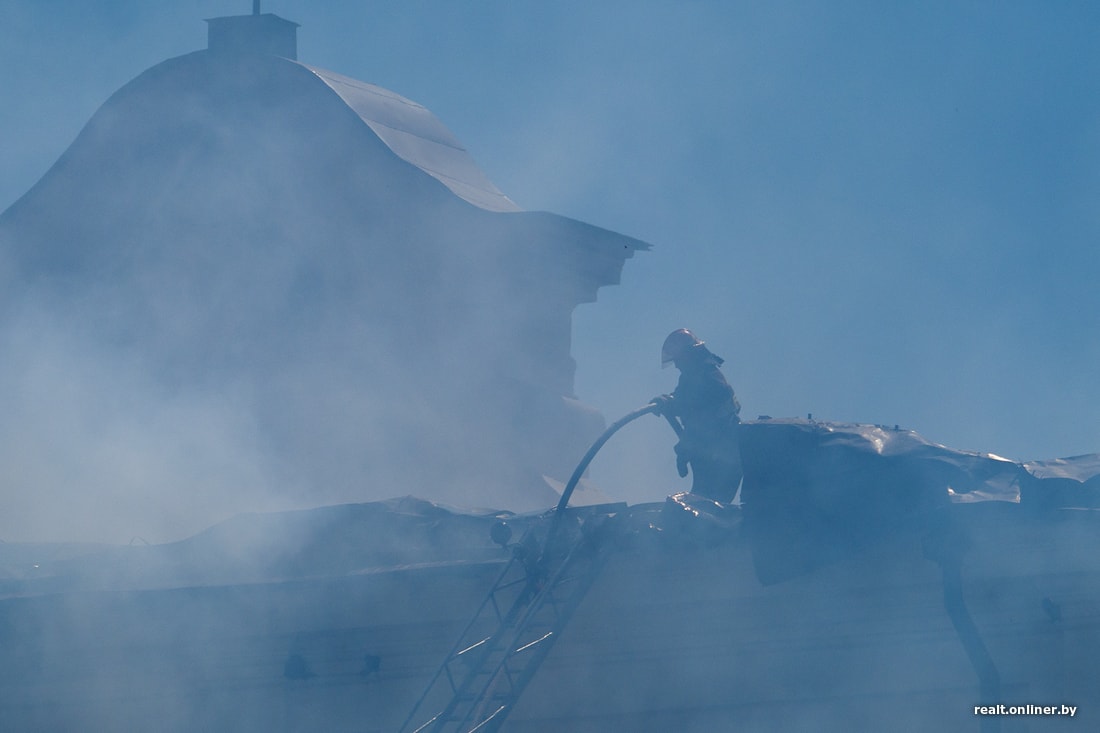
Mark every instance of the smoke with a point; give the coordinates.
(95, 448)
(233, 281)
(865, 230)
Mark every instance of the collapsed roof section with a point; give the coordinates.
(851, 456)
(814, 491)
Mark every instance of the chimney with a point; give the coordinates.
(258, 33)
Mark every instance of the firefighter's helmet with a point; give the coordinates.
(677, 345)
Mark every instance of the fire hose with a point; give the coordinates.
(652, 407)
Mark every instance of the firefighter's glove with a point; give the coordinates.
(663, 402)
(682, 466)
(681, 460)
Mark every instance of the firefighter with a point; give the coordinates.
(704, 404)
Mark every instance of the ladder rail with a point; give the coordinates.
(585, 548)
(457, 649)
(530, 610)
(541, 652)
(497, 667)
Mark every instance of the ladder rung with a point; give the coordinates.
(423, 727)
(488, 720)
(471, 647)
(539, 640)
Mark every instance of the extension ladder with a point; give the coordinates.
(515, 627)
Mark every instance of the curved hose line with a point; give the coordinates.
(614, 428)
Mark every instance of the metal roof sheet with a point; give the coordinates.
(415, 135)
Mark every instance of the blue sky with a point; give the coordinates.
(875, 212)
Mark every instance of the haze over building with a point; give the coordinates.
(314, 276)
(252, 282)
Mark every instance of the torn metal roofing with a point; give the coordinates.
(1082, 469)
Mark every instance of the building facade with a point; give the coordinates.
(325, 254)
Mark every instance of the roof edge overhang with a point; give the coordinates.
(595, 254)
